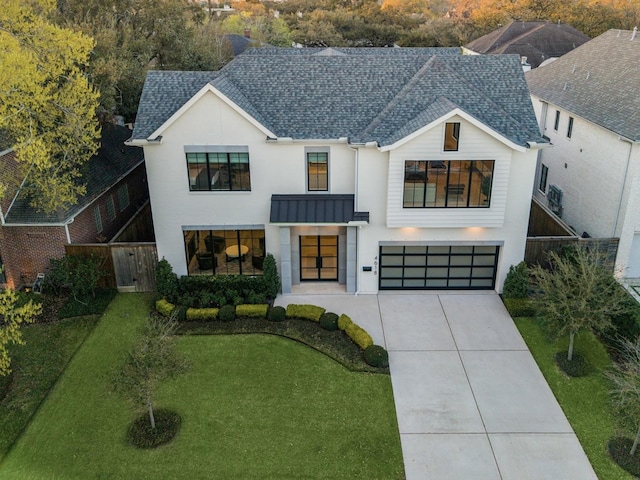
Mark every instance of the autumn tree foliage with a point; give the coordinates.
(47, 105)
(12, 315)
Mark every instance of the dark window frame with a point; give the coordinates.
(556, 122)
(544, 174)
(454, 188)
(309, 156)
(570, 127)
(228, 165)
(454, 134)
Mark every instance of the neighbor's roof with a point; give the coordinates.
(538, 41)
(364, 94)
(113, 161)
(598, 81)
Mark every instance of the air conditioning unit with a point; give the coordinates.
(554, 199)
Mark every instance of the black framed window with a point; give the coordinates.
(570, 127)
(225, 252)
(556, 122)
(544, 173)
(317, 171)
(451, 136)
(448, 184)
(219, 171)
(468, 267)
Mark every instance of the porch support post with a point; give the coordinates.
(352, 263)
(285, 259)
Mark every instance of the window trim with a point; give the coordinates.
(218, 150)
(466, 185)
(111, 208)
(544, 175)
(316, 150)
(97, 218)
(570, 128)
(556, 122)
(123, 205)
(455, 135)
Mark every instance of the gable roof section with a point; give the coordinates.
(367, 94)
(113, 161)
(597, 81)
(538, 41)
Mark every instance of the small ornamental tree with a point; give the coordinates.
(625, 385)
(152, 360)
(12, 315)
(576, 294)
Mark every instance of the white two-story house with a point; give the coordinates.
(588, 105)
(372, 168)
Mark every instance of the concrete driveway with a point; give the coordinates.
(471, 402)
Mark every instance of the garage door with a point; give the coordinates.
(458, 267)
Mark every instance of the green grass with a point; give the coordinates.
(585, 400)
(36, 367)
(252, 406)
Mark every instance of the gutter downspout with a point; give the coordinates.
(355, 208)
(66, 229)
(624, 184)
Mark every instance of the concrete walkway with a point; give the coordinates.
(471, 402)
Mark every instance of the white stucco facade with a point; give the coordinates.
(372, 174)
(598, 172)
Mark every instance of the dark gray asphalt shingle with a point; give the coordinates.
(538, 41)
(363, 94)
(113, 161)
(312, 208)
(598, 81)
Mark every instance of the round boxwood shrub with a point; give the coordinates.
(227, 313)
(376, 356)
(141, 435)
(329, 321)
(619, 448)
(577, 367)
(277, 314)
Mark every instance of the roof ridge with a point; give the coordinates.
(519, 37)
(401, 93)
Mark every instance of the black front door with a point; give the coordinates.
(318, 257)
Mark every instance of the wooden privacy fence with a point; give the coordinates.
(129, 267)
(537, 247)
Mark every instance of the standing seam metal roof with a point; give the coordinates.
(363, 94)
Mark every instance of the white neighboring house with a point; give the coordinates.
(371, 168)
(588, 105)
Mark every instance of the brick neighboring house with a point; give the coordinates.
(116, 189)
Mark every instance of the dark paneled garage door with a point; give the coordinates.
(456, 267)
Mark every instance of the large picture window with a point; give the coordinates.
(450, 184)
(224, 252)
(214, 171)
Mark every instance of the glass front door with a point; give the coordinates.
(318, 257)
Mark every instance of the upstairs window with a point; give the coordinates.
(123, 197)
(544, 173)
(98, 219)
(556, 122)
(451, 137)
(317, 171)
(450, 184)
(111, 208)
(570, 127)
(219, 171)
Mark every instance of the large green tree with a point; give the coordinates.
(47, 106)
(577, 293)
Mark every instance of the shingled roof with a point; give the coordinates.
(538, 41)
(112, 163)
(597, 81)
(366, 95)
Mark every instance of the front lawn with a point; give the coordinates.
(252, 406)
(585, 400)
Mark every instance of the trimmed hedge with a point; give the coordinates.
(252, 311)
(359, 336)
(164, 307)
(227, 313)
(376, 356)
(329, 321)
(202, 314)
(344, 321)
(520, 307)
(277, 314)
(307, 312)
